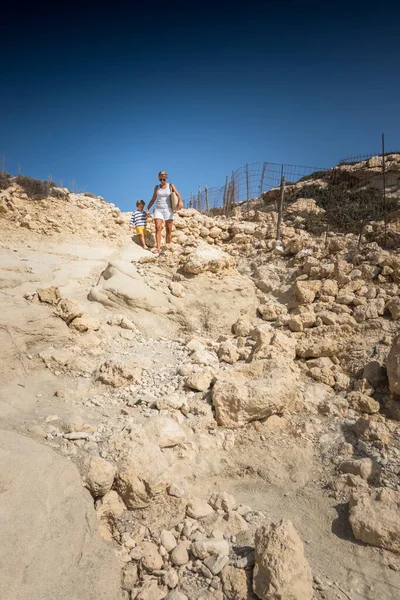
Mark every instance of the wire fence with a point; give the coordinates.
(246, 183)
(360, 195)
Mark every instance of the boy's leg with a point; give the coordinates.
(142, 242)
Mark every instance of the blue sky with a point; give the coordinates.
(108, 94)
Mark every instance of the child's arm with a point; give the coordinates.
(152, 200)
(132, 221)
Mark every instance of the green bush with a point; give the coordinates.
(313, 176)
(35, 188)
(347, 209)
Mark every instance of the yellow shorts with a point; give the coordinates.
(141, 230)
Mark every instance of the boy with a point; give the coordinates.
(139, 219)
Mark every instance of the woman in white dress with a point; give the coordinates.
(163, 210)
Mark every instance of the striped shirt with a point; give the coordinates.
(138, 218)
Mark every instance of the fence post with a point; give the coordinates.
(247, 189)
(199, 200)
(262, 178)
(3, 161)
(233, 198)
(207, 206)
(19, 169)
(226, 193)
(280, 208)
(384, 187)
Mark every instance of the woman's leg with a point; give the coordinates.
(168, 227)
(158, 223)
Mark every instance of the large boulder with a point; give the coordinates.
(393, 367)
(120, 285)
(254, 391)
(281, 569)
(375, 518)
(142, 473)
(50, 546)
(207, 258)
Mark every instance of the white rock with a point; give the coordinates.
(179, 555)
(208, 547)
(99, 475)
(164, 431)
(167, 540)
(216, 563)
(197, 509)
(281, 569)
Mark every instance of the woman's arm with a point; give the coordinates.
(180, 202)
(152, 200)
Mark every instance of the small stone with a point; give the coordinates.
(168, 540)
(216, 563)
(179, 555)
(197, 509)
(171, 579)
(151, 559)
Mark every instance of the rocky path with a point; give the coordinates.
(132, 409)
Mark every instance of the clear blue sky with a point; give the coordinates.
(108, 94)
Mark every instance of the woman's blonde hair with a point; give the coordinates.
(163, 173)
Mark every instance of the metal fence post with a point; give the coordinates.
(247, 189)
(262, 178)
(207, 206)
(226, 193)
(384, 187)
(280, 208)
(199, 200)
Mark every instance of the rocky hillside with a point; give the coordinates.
(219, 422)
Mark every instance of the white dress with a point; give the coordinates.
(163, 209)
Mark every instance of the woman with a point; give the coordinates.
(163, 210)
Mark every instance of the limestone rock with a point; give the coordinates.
(242, 327)
(68, 310)
(85, 323)
(216, 563)
(362, 403)
(50, 541)
(307, 290)
(197, 509)
(109, 508)
(372, 431)
(177, 289)
(179, 555)
(234, 582)
(393, 367)
(164, 432)
(375, 518)
(222, 500)
(367, 468)
(142, 474)
(206, 258)
(393, 306)
(176, 595)
(281, 569)
(99, 475)
(167, 540)
(228, 352)
(151, 559)
(129, 577)
(252, 392)
(209, 546)
(49, 295)
(199, 380)
(118, 374)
